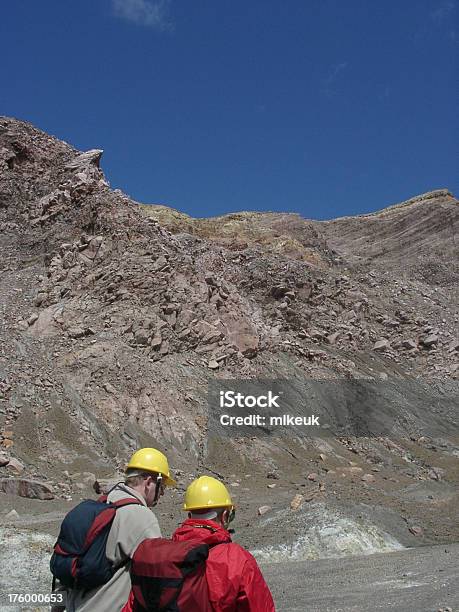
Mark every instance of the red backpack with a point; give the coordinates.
(169, 576)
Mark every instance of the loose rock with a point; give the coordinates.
(16, 465)
(23, 487)
(381, 345)
(416, 531)
(297, 502)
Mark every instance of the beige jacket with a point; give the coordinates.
(132, 525)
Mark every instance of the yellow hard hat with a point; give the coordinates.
(151, 460)
(207, 492)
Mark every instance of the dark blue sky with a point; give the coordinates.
(323, 107)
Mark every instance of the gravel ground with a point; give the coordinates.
(414, 580)
(422, 579)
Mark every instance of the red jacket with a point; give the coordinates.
(234, 579)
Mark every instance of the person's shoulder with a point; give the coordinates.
(234, 550)
(122, 492)
(138, 521)
(245, 553)
(136, 510)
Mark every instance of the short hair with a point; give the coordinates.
(134, 478)
(207, 513)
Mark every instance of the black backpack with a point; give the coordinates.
(79, 559)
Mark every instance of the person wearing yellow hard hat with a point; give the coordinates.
(206, 494)
(146, 476)
(234, 580)
(148, 473)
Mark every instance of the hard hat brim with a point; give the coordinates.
(206, 507)
(169, 482)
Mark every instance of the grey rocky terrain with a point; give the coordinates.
(115, 316)
(415, 580)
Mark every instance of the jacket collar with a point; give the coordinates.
(206, 531)
(122, 490)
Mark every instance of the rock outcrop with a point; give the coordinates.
(115, 316)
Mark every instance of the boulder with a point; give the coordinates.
(409, 344)
(263, 510)
(12, 515)
(109, 388)
(430, 340)
(241, 333)
(436, 473)
(79, 332)
(297, 502)
(416, 531)
(142, 336)
(84, 159)
(47, 323)
(23, 487)
(16, 465)
(156, 342)
(381, 345)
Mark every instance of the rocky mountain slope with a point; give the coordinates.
(115, 316)
(422, 234)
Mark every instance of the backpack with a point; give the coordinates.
(79, 559)
(169, 576)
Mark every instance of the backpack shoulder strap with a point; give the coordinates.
(106, 517)
(130, 499)
(103, 498)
